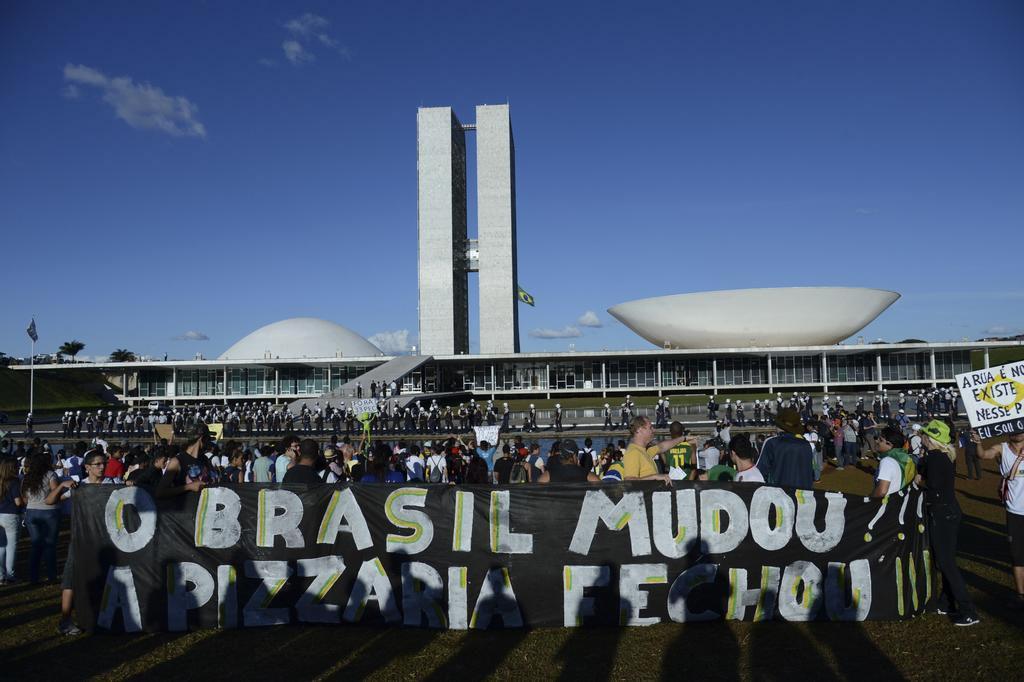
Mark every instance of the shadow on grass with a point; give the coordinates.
(981, 498)
(589, 653)
(781, 651)
(480, 654)
(86, 656)
(707, 651)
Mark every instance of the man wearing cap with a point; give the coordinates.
(638, 460)
(1011, 467)
(787, 460)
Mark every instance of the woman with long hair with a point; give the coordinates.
(10, 517)
(42, 493)
(938, 471)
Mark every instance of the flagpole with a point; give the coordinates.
(32, 378)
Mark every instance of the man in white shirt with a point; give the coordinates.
(414, 464)
(709, 456)
(436, 466)
(811, 436)
(742, 454)
(915, 447)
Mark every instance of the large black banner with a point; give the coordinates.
(477, 557)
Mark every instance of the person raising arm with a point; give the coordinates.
(638, 460)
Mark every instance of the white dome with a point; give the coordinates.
(747, 318)
(301, 337)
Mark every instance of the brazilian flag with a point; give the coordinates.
(524, 297)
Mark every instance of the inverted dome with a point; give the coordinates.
(748, 318)
(301, 337)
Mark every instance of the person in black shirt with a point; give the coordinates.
(568, 469)
(188, 471)
(503, 465)
(304, 471)
(937, 473)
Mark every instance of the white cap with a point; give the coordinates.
(531, 406)
(557, 405)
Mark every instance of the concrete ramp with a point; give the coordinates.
(393, 370)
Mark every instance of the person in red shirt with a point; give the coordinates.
(115, 464)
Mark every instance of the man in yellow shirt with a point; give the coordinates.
(638, 460)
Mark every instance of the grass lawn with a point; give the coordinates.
(928, 647)
(996, 357)
(54, 390)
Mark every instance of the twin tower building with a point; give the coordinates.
(446, 253)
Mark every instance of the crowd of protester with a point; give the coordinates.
(36, 482)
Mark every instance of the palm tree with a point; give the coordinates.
(71, 348)
(122, 355)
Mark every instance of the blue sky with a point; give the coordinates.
(192, 169)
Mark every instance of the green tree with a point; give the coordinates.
(71, 348)
(122, 355)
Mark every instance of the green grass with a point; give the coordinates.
(996, 357)
(928, 647)
(54, 390)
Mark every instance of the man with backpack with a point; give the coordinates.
(896, 468)
(436, 467)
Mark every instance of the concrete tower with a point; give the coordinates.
(496, 226)
(443, 269)
(446, 256)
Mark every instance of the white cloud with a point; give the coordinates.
(140, 105)
(305, 32)
(192, 336)
(567, 332)
(70, 91)
(589, 319)
(267, 62)
(392, 343)
(1002, 330)
(865, 211)
(307, 26)
(296, 53)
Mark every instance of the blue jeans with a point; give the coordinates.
(43, 526)
(851, 452)
(9, 526)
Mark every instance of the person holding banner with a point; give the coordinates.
(188, 471)
(1011, 468)
(938, 471)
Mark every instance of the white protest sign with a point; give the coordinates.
(487, 433)
(994, 399)
(364, 405)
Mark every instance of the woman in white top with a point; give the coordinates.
(1011, 467)
(42, 493)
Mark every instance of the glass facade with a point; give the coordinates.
(632, 373)
(906, 366)
(199, 382)
(860, 367)
(686, 372)
(742, 371)
(565, 374)
(153, 382)
(796, 369)
(569, 375)
(518, 376)
(950, 363)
